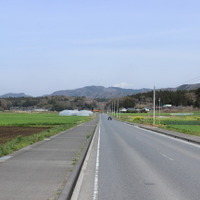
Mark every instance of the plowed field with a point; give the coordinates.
(8, 133)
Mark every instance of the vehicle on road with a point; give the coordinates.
(109, 118)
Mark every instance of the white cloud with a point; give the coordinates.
(122, 85)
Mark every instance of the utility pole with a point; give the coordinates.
(154, 106)
(159, 109)
(117, 101)
(114, 108)
(118, 107)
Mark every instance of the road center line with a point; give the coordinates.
(164, 155)
(96, 178)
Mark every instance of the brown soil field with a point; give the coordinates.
(8, 133)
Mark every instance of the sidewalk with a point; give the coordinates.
(40, 171)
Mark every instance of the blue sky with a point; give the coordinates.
(48, 45)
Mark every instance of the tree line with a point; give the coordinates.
(176, 98)
(51, 103)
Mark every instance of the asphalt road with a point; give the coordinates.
(40, 171)
(126, 162)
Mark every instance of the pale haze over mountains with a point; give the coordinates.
(103, 92)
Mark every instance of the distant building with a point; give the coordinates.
(122, 110)
(96, 110)
(167, 105)
(40, 110)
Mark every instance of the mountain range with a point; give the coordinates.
(14, 95)
(184, 87)
(99, 92)
(103, 92)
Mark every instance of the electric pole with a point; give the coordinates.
(154, 106)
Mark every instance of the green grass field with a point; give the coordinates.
(53, 123)
(38, 119)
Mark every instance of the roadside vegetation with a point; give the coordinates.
(138, 108)
(18, 130)
(181, 122)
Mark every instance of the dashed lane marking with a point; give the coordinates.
(166, 156)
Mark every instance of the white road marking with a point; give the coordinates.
(79, 183)
(96, 178)
(168, 157)
(4, 158)
(170, 137)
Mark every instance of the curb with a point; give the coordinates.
(71, 181)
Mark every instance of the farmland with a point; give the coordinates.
(18, 130)
(182, 122)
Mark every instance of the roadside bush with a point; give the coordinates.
(138, 119)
